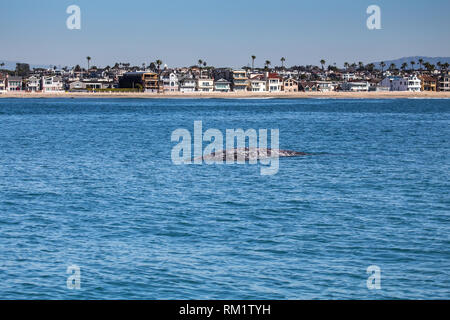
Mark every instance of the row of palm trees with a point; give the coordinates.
(267, 63)
(370, 67)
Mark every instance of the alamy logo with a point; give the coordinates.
(236, 151)
(374, 20)
(73, 22)
(374, 280)
(74, 280)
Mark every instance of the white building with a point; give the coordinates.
(170, 82)
(187, 85)
(362, 86)
(349, 76)
(444, 83)
(325, 86)
(258, 84)
(222, 85)
(14, 84)
(2, 83)
(274, 82)
(205, 85)
(52, 84)
(34, 84)
(412, 83)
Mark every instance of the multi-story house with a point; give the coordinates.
(444, 83)
(170, 82)
(325, 86)
(2, 83)
(147, 81)
(187, 84)
(307, 86)
(240, 80)
(258, 84)
(412, 83)
(14, 84)
(52, 84)
(356, 86)
(222, 85)
(349, 76)
(33, 84)
(290, 85)
(273, 82)
(428, 83)
(205, 85)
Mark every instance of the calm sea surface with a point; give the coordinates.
(91, 183)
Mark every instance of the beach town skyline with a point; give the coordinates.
(222, 33)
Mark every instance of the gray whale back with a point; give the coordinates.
(252, 154)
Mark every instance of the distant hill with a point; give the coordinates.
(399, 62)
(11, 65)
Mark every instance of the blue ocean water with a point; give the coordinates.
(90, 182)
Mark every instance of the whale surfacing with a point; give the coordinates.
(248, 154)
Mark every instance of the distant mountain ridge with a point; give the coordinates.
(11, 65)
(400, 61)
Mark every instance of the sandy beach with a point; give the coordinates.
(236, 95)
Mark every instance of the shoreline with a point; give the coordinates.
(236, 95)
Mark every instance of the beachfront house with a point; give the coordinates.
(52, 84)
(187, 84)
(205, 85)
(355, 86)
(444, 83)
(170, 82)
(2, 83)
(325, 86)
(33, 84)
(77, 85)
(428, 83)
(90, 84)
(273, 82)
(258, 84)
(307, 86)
(290, 85)
(240, 80)
(146, 81)
(222, 85)
(14, 83)
(412, 83)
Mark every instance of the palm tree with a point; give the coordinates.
(267, 64)
(420, 63)
(439, 64)
(445, 65)
(346, 65)
(382, 65)
(159, 63)
(404, 66)
(322, 62)
(412, 65)
(200, 63)
(253, 62)
(392, 66)
(88, 61)
(283, 59)
(361, 66)
(205, 64)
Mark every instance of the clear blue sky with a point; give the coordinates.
(224, 33)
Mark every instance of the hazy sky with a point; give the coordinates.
(224, 33)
